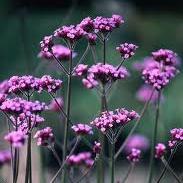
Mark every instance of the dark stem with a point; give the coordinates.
(104, 51)
(112, 159)
(67, 114)
(154, 137)
(51, 147)
(135, 126)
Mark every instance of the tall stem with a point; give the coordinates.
(112, 159)
(154, 137)
(68, 114)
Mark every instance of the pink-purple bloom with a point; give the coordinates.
(87, 24)
(5, 157)
(47, 43)
(16, 138)
(176, 136)
(56, 104)
(111, 119)
(160, 150)
(81, 159)
(134, 155)
(137, 141)
(126, 50)
(82, 129)
(2, 98)
(4, 87)
(44, 136)
(97, 147)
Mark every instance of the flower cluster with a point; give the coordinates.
(103, 73)
(87, 24)
(44, 137)
(4, 87)
(82, 129)
(168, 57)
(19, 84)
(2, 98)
(112, 119)
(105, 24)
(176, 136)
(5, 157)
(56, 104)
(16, 138)
(97, 147)
(160, 150)
(137, 141)
(81, 159)
(145, 92)
(18, 106)
(47, 43)
(134, 155)
(126, 50)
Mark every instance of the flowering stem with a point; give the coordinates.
(171, 170)
(135, 126)
(169, 160)
(118, 67)
(63, 164)
(93, 51)
(151, 165)
(112, 159)
(130, 169)
(104, 51)
(68, 114)
(51, 147)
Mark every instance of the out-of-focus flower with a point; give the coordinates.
(137, 141)
(55, 105)
(16, 138)
(81, 159)
(4, 87)
(145, 92)
(176, 136)
(82, 129)
(160, 150)
(134, 155)
(5, 157)
(126, 50)
(111, 119)
(2, 98)
(97, 147)
(81, 70)
(44, 136)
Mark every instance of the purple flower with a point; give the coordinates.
(2, 98)
(71, 33)
(137, 141)
(4, 87)
(5, 157)
(87, 24)
(16, 138)
(53, 106)
(18, 106)
(81, 159)
(81, 70)
(126, 50)
(44, 137)
(145, 92)
(82, 129)
(160, 150)
(112, 119)
(91, 38)
(134, 155)
(47, 43)
(97, 147)
(176, 136)
(167, 57)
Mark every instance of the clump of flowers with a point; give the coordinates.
(112, 119)
(97, 147)
(134, 155)
(176, 136)
(99, 73)
(4, 87)
(126, 50)
(137, 141)
(16, 138)
(47, 43)
(82, 129)
(2, 98)
(44, 136)
(5, 157)
(81, 159)
(160, 150)
(56, 104)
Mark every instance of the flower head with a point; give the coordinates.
(87, 24)
(82, 129)
(16, 138)
(47, 43)
(5, 157)
(55, 105)
(44, 136)
(97, 147)
(4, 87)
(160, 150)
(176, 136)
(134, 155)
(2, 98)
(126, 50)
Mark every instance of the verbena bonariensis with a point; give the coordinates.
(24, 115)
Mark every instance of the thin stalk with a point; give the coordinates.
(154, 137)
(118, 67)
(112, 160)
(94, 55)
(171, 170)
(51, 147)
(104, 51)
(130, 169)
(63, 164)
(135, 126)
(169, 160)
(68, 114)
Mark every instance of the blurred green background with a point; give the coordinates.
(150, 24)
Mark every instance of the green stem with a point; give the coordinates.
(130, 169)
(68, 115)
(154, 137)
(112, 160)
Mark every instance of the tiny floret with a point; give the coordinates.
(134, 156)
(160, 150)
(82, 129)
